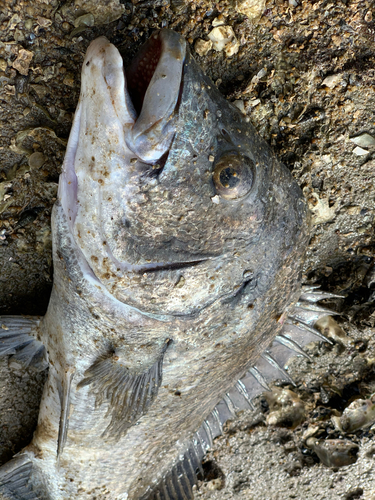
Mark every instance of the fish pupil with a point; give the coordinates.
(229, 177)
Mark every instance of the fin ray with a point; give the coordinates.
(128, 394)
(64, 416)
(16, 341)
(16, 480)
(297, 332)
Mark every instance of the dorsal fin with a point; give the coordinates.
(128, 394)
(178, 483)
(296, 333)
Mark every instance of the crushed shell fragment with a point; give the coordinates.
(287, 409)
(360, 414)
(334, 452)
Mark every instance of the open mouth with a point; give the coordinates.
(126, 112)
(141, 71)
(153, 83)
(154, 75)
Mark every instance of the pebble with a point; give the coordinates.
(22, 63)
(251, 8)
(214, 484)
(334, 452)
(364, 140)
(69, 80)
(329, 327)
(44, 22)
(202, 47)
(240, 105)
(368, 16)
(286, 408)
(253, 102)
(322, 212)
(28, 24)
(36, 160)
(360, 414)
(103, 12)
(223, 38)
(218, 21)
(360, 151)
(85, 20)
(332, 81)
(232, 48)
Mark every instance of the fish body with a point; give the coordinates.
(178, 239)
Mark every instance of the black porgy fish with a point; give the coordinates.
(178, 239)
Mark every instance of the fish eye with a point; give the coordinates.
(233, 175)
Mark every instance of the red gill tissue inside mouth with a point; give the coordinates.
(142, 69)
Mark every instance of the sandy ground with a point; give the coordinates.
(303, 71)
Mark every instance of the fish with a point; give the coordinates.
(178, 244)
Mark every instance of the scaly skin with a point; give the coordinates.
(215, 316)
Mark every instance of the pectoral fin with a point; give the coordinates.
(18, 481)
(17, 342)
(129, 394)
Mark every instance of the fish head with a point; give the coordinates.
(172, 198)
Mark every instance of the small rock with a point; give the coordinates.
(3, 65)
(218, 21)
(202, 47)
(368, 16)
(69, 80)
(334, 452)
(36, 160)
(253, 102)
(360, 414)
(13, 21)
(322, 212)
(332, 81)
(364, 140)
(22, 63)
(240, 105)
(104, 12)
(360, 151)
(221, 36)
(255, 80)
(251, 8)
(352, 209)
(329, 327)
(85, 20)
(287, 409)
(28, 24)
(232, 48)
(214, 484)
(44, 22)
